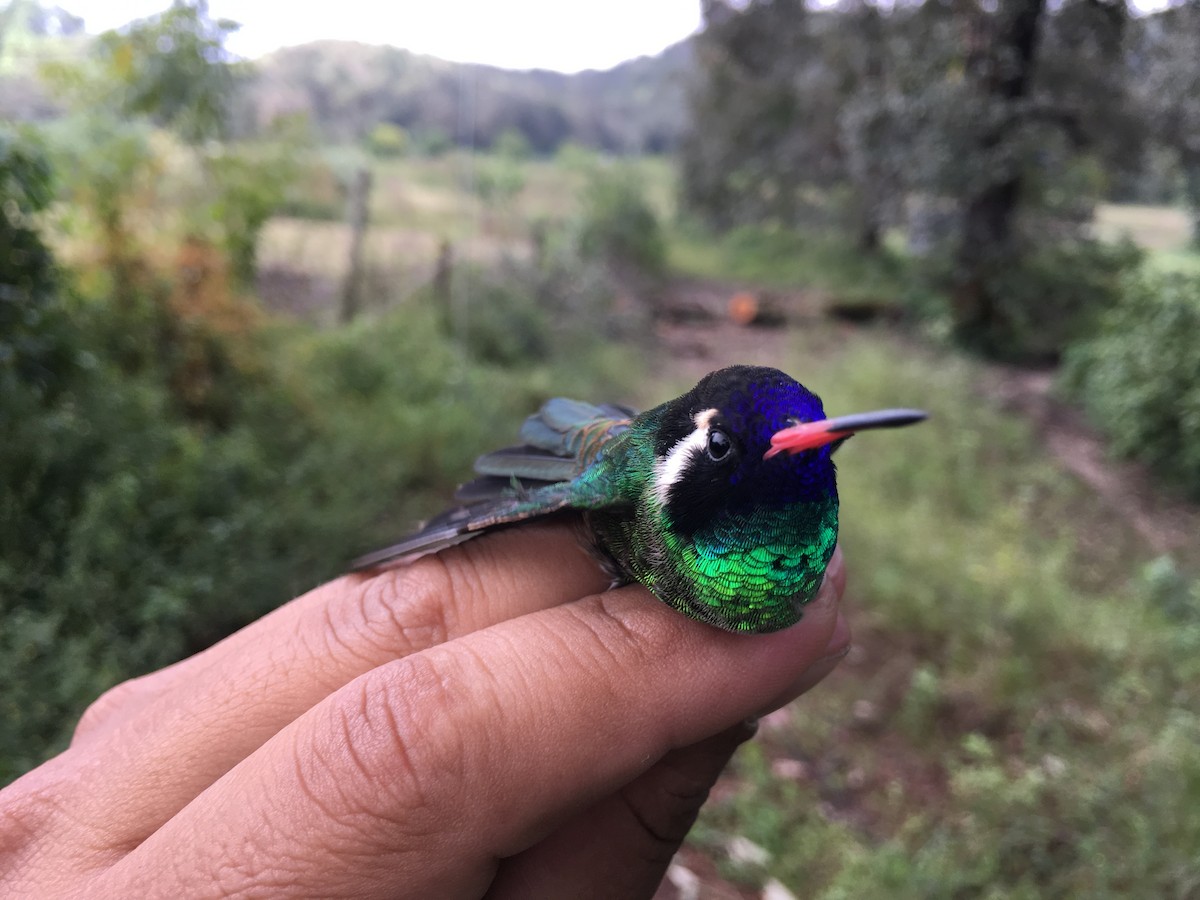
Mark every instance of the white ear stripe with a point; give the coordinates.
(669, 469)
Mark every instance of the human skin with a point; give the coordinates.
(488, 722)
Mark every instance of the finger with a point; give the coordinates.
(165, 739)
(417, 777)
(835, 652)
(621, 846)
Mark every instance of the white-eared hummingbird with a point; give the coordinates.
(723, 502)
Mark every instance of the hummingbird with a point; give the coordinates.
(723, 502)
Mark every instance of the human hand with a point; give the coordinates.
(487, 722)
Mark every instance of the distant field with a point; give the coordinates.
(416, 204)
(443, 195)
(1164, 231)
(1152, 227)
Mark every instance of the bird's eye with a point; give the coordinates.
(719, 445)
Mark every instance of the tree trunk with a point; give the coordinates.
(1000, 65)
(869, 236)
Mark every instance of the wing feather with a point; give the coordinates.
(519, 483)
(465, 522)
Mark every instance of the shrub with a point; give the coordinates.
(1041, 299)
(247, 189)
(1139, 378)
(387, 141)
(619, 224)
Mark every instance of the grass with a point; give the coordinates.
(1006, 728)
(440, 195)
(781, 258)
(416, 205)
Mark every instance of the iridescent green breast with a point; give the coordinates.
(760, 585)
(744, 574)
(756, 575)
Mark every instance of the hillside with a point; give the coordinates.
(348, 87)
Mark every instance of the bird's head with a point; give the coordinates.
(750, 437)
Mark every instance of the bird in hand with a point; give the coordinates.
(723, 502)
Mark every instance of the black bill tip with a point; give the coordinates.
(880, 418)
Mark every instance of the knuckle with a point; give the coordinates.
(623, 630)
(399, 612)
(36, 823)
(116, 700)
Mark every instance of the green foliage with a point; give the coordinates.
(1032, 305)
(575, 157)
(172, 68)
(105, 163)
(498, 181)
(1139, 378)
(783, 257)
(168, 474)
(247, 187)
(387, 141)
(837, 120)
(115, 501)
(138, 524)
(1165, 77)
(512, 144)
(561, 307)
(431, 142)
(31, 352)
(618, 223)
(505, 324)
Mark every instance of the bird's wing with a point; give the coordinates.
(465, 522)
(520, 483)
(561, 439)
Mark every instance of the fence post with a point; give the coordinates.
(357, 203)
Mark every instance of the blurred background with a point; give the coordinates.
(262, 305)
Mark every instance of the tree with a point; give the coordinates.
(1046, 94)
(1000, 116)
(764, 128)
(173, 69)
(169, 71)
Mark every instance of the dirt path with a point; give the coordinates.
(1167, 523)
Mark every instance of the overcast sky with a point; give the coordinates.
(567, 35)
